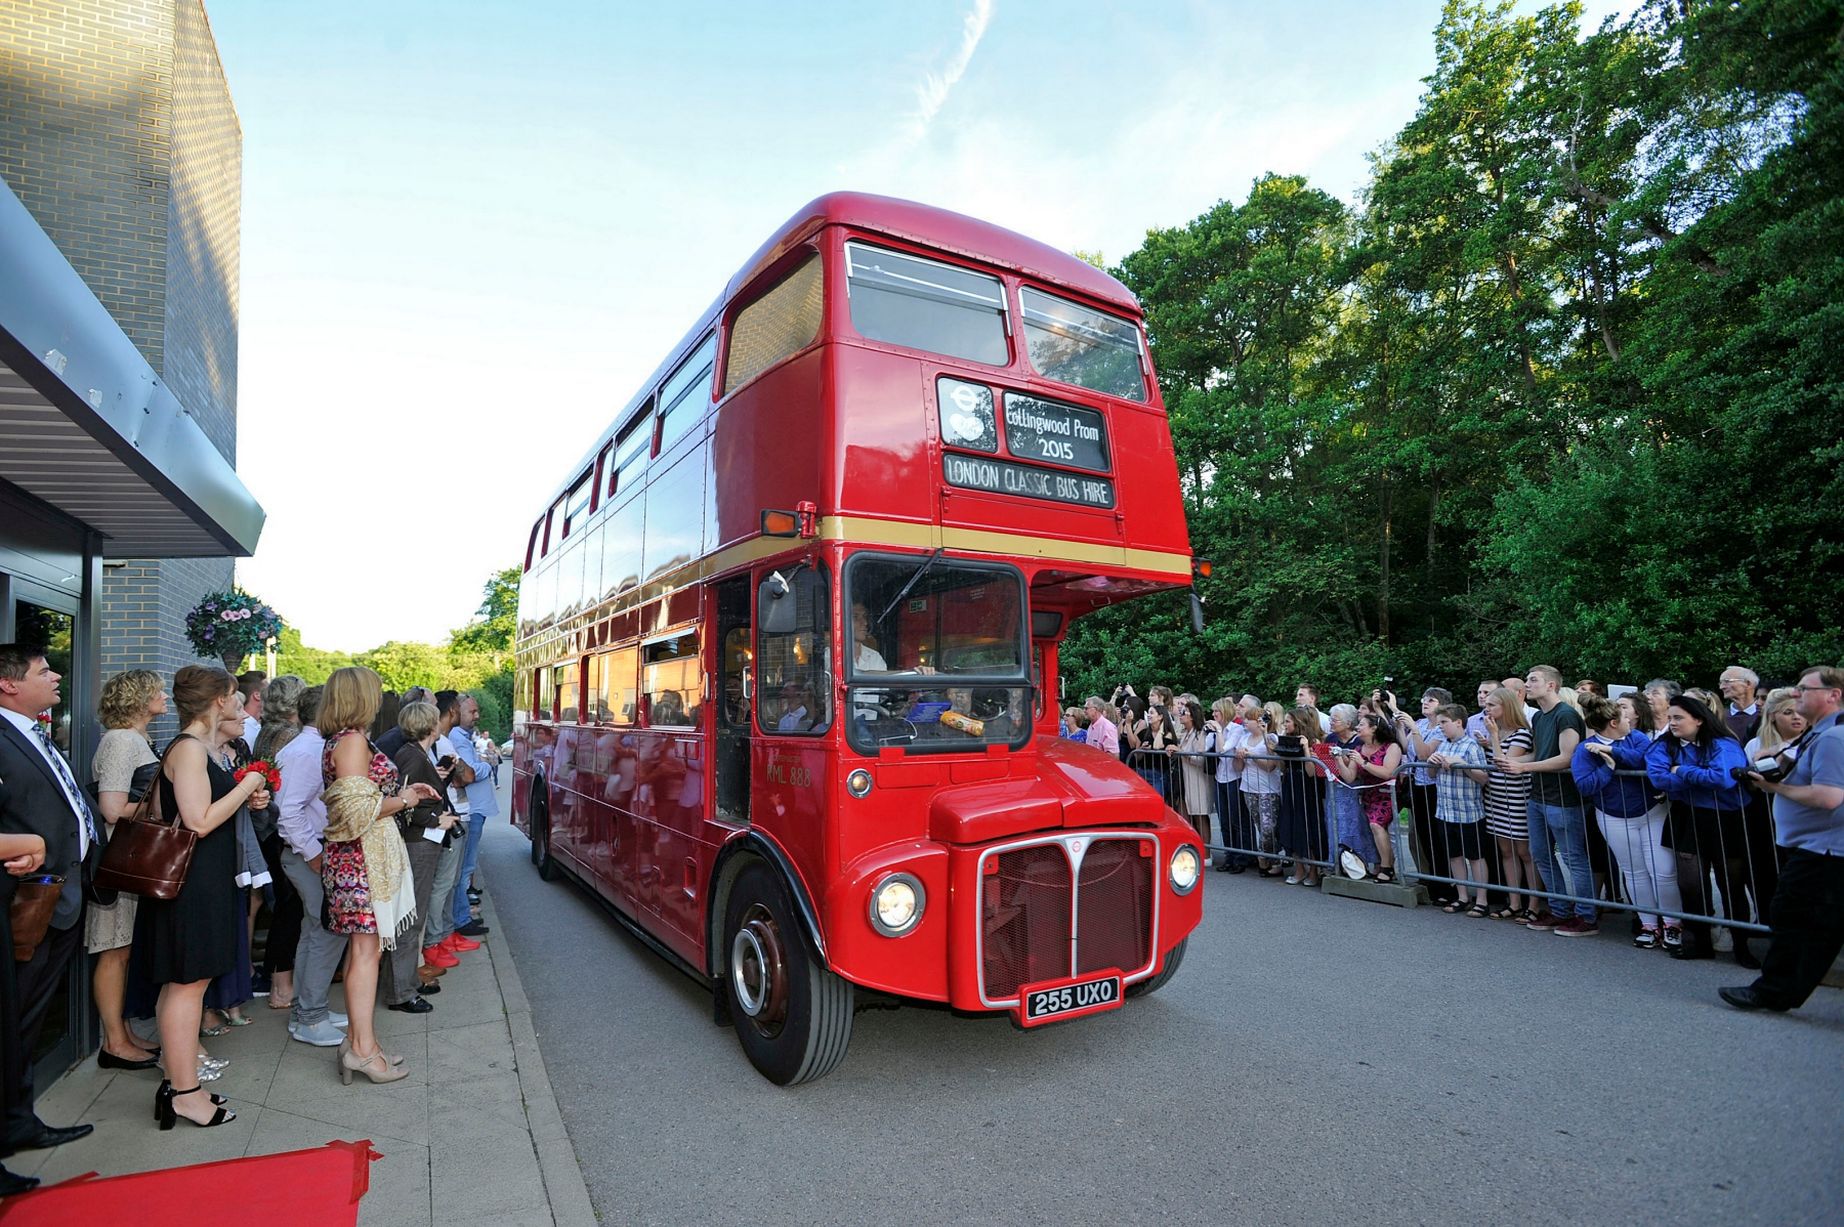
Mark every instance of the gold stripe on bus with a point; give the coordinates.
(869, 531)
(866, 530)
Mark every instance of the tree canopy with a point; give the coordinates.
(476, 659)
(1566, 385)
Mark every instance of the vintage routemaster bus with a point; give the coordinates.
(787, 656)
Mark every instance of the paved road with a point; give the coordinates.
(1316, 1059)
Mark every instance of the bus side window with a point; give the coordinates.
(547, 696)
(611, 679)
(794, 688)
(686, 393)
(783, 321)
(566, 692)
(673, 683)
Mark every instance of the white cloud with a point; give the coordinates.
(933, 92)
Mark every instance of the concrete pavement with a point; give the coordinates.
(472, 1136)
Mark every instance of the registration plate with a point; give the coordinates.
(1053, 1002)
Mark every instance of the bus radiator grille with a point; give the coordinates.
(1114, 908)
(1024, 920)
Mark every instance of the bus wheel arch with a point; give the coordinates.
(792, 1016)
(738, 854)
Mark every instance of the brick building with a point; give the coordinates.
(120, 194)
(118, 134)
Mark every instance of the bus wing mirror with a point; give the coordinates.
(777, 604)
(1197, 613)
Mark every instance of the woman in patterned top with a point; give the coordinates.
(367, 878)
(1507, 796)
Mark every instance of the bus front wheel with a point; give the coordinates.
(793, 1017)
(1173, 958)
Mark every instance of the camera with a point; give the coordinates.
(1767, 766)
(446, 761)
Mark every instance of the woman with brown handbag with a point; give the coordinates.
(192, 938)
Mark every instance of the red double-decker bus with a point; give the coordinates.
(787, 658)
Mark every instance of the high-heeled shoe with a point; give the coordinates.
(166, 1092)
(377, 1067)
(168, 1115)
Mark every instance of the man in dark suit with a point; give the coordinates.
(41, 798)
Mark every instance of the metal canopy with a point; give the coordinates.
(87, 426)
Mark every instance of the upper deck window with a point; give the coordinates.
(576, 504)
(687, 392)
(631, 451)
(924, 304)
(1079, 345)
(783, 321)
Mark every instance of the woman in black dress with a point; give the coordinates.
(193, 937)
(1302, 822)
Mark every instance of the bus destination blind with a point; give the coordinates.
(1004, 477)
(1062, 434)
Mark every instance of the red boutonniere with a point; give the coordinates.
(272, 779)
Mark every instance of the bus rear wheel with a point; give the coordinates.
(792, 1016)
(1173, 958)
(541, 840)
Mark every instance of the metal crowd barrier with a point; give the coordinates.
(1706, 858)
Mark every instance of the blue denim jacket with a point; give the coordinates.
(1621, 796)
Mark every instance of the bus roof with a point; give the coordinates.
(940, 229)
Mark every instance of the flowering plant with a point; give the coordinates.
(231, 625)
(272, 778)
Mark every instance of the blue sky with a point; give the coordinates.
(470, 228)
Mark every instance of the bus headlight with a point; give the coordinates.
(896, 904)
(1185, 864)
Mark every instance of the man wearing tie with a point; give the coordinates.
(41, 798)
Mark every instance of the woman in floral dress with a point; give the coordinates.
(367, 877)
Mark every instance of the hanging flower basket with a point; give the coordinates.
(231, 625)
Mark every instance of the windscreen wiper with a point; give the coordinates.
(913, 580)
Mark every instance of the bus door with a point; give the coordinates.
(735, 697)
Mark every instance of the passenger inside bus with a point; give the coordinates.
(796, 709)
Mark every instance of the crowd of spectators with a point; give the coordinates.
(1544, 806)
(319, 856)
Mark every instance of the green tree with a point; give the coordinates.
(497, 618)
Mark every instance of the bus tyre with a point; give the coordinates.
(1173, 958)
(541, 842)
(793, 1017)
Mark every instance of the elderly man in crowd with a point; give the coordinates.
(1739, 686)
(1808, 907)
(1101, 731)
